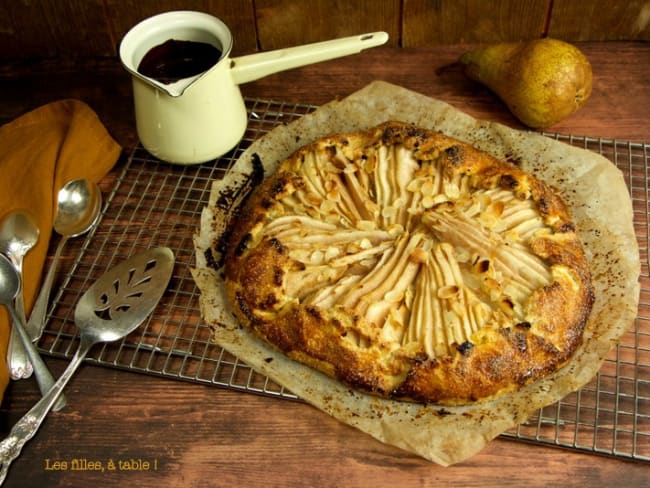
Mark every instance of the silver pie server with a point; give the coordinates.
(113, 307)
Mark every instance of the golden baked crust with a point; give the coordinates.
(410, 265)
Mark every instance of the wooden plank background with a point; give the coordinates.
(72, 29)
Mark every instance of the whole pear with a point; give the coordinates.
(542, 81)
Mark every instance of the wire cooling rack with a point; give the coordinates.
(150, 203)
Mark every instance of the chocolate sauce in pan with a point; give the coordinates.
(174, 60)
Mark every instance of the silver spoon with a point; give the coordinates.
(18, 235)
(114, 306)
(78, 208)
(10, 283)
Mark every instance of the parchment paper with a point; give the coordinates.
(592, 186)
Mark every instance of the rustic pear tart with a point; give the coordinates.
(410, 265)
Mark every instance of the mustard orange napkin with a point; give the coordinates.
(39, 152)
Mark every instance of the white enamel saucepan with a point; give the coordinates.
(199, 118)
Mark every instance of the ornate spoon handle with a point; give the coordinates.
(43, 376)
(19, 365)
(28, 425)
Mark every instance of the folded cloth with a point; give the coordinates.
(39, 152)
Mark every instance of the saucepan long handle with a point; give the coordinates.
(256, 66)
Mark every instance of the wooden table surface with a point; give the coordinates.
(195, 435)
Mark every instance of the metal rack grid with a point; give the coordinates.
(150, 203)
